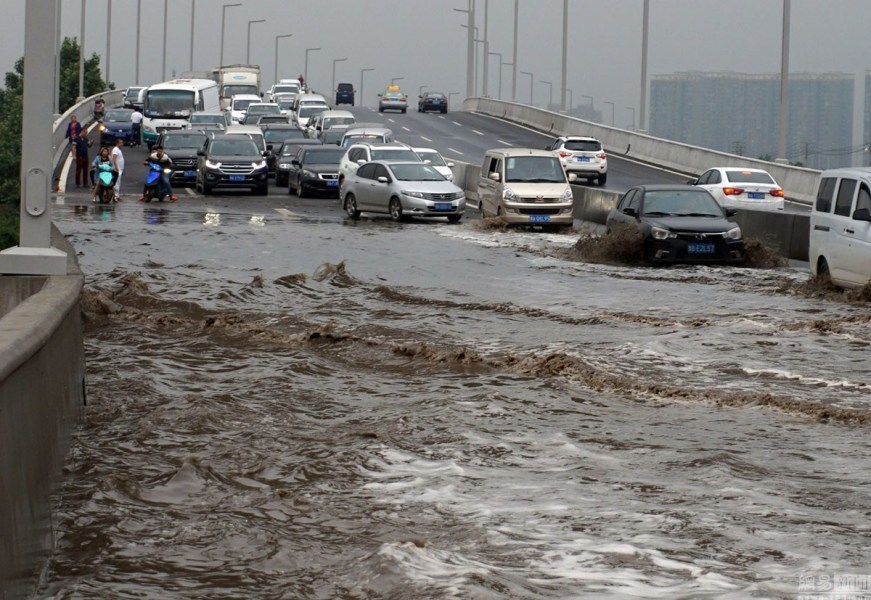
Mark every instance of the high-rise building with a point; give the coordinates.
(738, 113)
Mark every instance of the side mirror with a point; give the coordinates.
(269, 147)
(862, 214)
(573, 177)
(200, 153)
(383, 179)
(450, 165)
(294, 161)
(692, 181)
(493, 176)
(361, 161)
(631, 212)
(731, 212)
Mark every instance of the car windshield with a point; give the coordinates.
(394, 154)
(235, 148)
(285, 89)
(534, 169)
(202, 118)
(263, 109)
(169, 103)
(414, 172)
(235, 89)
(291, 148)
(242, 103)
(117, 116)
(307, 112)
(276, 136)
(285, 103)
(582, 145)
(749, 177)
(347, 140)
(434, 158)
(323, 156)
(690, 202)
(330, 121)
(184, 140)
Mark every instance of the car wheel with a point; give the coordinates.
(824, 274)
(444, 111)
(454, 218)
(207, 189)
(262, 190)
(601, 179)
(351, 206)
(396, 210)
(403, 110)
(481, 210)
(381, 110)
(300, 190)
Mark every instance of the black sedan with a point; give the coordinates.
(432, 101)
(315, 170)
(678, 225)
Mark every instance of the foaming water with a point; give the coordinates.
(426, 411)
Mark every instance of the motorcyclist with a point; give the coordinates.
(99, 108)
(103, 158)
(158, 156)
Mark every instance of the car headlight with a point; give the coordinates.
(167, 171)
(149, 128)
(733, 234)
(102, 127)
(567, 195)
(508, 194)
(258, 164)
(412, 194)
(309, 174)
(659, 233)
(284, 166)
(212, 165)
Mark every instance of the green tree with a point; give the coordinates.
(69, 74)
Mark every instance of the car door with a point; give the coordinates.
(487, 188)
(363, 187)
(857, 240)
(711, 181)
(380, 191)
(618, 217)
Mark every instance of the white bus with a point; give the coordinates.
(169, 105)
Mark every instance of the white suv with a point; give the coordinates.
(583, 156)
(360, 154)
(239, 106)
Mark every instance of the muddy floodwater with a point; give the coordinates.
(300, 406)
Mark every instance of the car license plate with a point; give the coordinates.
(582, 159)
(539, 218)
(755, 195)
(237, 178)
(332, 183)
(442, 206)
(190, 173)
(700, 248)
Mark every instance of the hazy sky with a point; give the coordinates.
(422, 41)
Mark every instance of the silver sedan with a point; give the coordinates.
(403, 190)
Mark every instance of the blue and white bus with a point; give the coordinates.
(169, 105)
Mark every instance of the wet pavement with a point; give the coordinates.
(283, 403)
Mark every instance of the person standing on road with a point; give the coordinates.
(118, 162)
(136, 119)
(73, 129)
(80, 152)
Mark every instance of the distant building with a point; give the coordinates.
(738, 113)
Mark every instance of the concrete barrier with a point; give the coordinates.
(42, 389)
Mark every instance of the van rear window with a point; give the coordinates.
(845, 197)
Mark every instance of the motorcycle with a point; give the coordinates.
(105, 179)
(99, 109)
(154, 189)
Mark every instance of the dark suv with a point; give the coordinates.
(181, 145)
(345, 94)
(234, 162)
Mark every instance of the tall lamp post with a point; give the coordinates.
(82, 55)
(248, 43)
(642, 114)
(565, 54)
(611, 104)
(223, 27)
(138, 35)
(305, 70)
(108, 38)
(193, 20)
(470, 47)
(363, 72)
(165, 23)
(783, 121)
(278, 37)
(531, 79)
(550, 92)
(514, 58)
(395, 79)
(336, 60)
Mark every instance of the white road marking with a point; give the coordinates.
(457, 124)
(476, 131)
(404, 128)
(425, 139)
(456, 151)
(285, 212)
(503, 142)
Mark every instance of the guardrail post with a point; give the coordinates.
(34, 254)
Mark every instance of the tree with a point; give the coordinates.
(69, 74)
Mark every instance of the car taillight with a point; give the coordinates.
(601, 156)
(730, 191)
(778, 193)
(564, 154)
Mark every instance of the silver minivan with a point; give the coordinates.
(524, 186)
(840, 227)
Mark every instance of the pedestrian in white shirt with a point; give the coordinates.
(118, 162)
(136, 119)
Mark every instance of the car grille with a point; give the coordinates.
(236, 168)
(448, 197)
(540, 200)
(539, 211)
(328, 175)
(184, 163)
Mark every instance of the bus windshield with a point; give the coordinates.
(169, 104)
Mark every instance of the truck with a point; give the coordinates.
(236, 79)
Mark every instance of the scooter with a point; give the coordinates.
(154, 189)
(105, 180)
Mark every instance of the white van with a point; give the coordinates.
(524, 186)
(169, 105)
(840, 228)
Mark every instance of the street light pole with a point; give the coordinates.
(395, 79)
(550, 92)
(514, 58)
(305, 71)
(278, 37)
(470, 47)
(223, 27)
(784, 84)
(248, 53)
(565, 56)
(485, 84)
(108, 38)
(165, 22)
(336, 60)
(57, 47)
(193, 20)
(138, 35)
(612, 112)
(362, 72)
(82, 55)
(531, 78)
(642, 115)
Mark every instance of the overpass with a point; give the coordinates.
(42, 370)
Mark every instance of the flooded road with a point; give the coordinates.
(286, 404)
